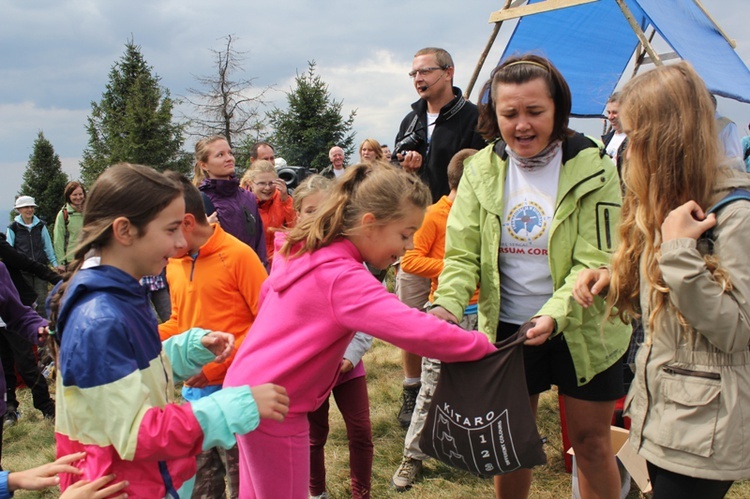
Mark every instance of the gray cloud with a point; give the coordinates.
(57, 55)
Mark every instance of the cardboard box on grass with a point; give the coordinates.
(633, 463)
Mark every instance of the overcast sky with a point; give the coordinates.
(55, 57)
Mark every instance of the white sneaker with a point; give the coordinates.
(324, 495)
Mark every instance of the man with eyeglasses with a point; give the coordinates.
(440, 124)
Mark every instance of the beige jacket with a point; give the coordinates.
(690, 400)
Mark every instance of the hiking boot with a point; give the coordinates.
(407, 406)
(406, 474)
(10, 417)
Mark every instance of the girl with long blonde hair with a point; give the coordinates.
(691, 392)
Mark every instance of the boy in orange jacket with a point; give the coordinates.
(214, 285)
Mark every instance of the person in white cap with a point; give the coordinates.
(29, 235)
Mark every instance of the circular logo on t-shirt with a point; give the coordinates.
(526, 221)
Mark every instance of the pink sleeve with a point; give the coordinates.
(361, 303)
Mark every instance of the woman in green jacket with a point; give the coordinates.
(533, 209)
(68, 223)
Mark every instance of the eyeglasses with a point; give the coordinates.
(263, 185)
(425, 71)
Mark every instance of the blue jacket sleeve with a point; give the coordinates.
(186, 353)
(224, 414)
(49, 250)
(4, 492)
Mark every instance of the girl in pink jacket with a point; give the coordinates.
(318, 295)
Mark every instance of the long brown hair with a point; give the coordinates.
(672, 158)
(136, 192)
(376, 188)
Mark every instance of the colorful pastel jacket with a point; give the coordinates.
(583, 233)
(219, 289)
(115, 390)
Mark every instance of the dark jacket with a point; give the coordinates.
(453, 132)
(17, 262)
(21, 320)
(238, 213)
(31, 240)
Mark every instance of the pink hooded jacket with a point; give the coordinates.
(311, 306)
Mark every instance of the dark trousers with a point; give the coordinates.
(352, 401)
(18, 351)
(668, 485)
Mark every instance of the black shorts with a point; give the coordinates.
(551, 364)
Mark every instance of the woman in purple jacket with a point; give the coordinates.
(21, 320)
(236, 208)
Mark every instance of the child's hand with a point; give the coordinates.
(43, 333)
(443, 314)
(271, 400)
(346, 366)
(198, 381)
(45, 475)
(542, 327)
(93, 490)
(589, 283)
(686, 221)
(220, 344)
(281, 187)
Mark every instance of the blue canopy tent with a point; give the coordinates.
(592, 44)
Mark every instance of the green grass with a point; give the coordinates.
(31, 443)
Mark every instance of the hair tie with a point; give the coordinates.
(533, 63)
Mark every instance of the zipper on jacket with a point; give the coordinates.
(607, 229)
(689, 372)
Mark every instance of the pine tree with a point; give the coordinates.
(44, 179)
(311, 125)
(133, 121)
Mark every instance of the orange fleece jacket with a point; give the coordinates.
(217, 290)
(276, 215)
(426, 259)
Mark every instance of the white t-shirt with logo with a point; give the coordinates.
(528, 209)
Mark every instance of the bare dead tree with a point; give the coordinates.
(225, 104)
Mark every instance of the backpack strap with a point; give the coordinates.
(734, 195)
(66, 218)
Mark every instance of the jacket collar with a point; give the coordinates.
(492, 170)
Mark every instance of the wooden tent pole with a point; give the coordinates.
(641, 55)
(639, 33)
(730, 41)
(483, 57)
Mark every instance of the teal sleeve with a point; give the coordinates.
(186, 353)
(224, 414)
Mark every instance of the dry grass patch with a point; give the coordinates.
(31, 443)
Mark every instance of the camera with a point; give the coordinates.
(410, 142)
(293, 176)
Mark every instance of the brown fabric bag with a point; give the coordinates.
(480, 419)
